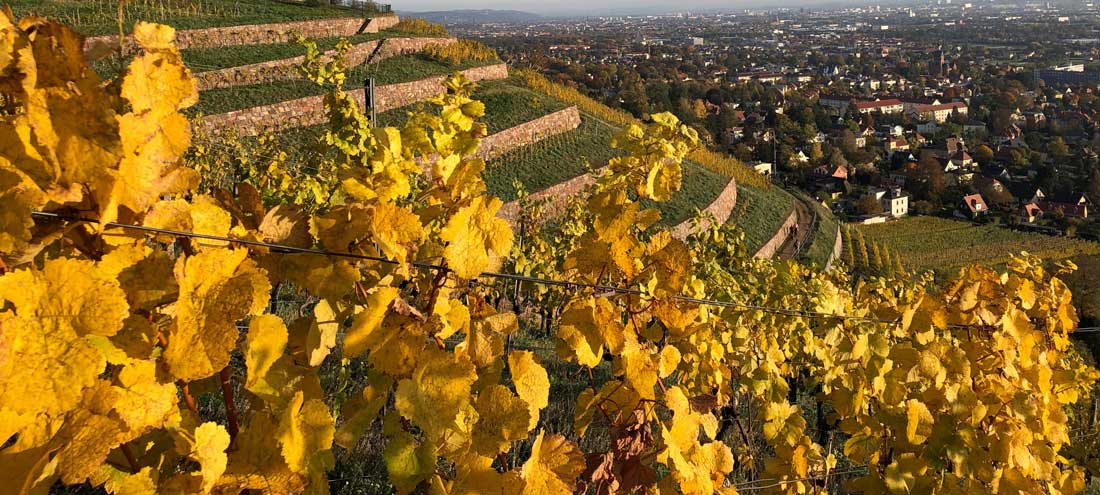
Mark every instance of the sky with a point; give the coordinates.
(597, 7)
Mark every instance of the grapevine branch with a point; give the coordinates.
(567, 284)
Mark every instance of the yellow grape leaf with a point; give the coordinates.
(531, 381)
(154, 133)
(322, 333)
(143, 482)
(256, 462)
(211, 441)
(450, 315)
(476, 239)
(783, 421)
(709, 465)
(285, 224)
(395, 229)
(45, 358)
(919, 421)
(217, 289)
(305, 433)
(903, 474)
(485, 341)
(408, 462)
(663, 180)
(143, 402)
(264, 348)
(143, 273)
(586, 326)
(502, 419)
(670, 359)
(553, 466)
(324, 277)
(438, 392)
(203, 215)
(475, 475)
(18, 198)
(361, 409)
(364, 331)
(640, 366)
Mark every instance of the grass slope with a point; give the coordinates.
(99, 17)
(941, 244)
(759, 213)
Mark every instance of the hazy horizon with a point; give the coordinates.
(603, 7)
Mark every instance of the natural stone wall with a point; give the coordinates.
(721, 208)
(287, 68)
(768, 250)
(310, 110)
(838, 248)
(255, 34)
(529, 133)
(559, 192)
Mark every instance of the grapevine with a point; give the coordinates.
(113, 340)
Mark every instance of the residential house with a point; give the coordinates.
(973, 206)
(1030, 213)
(939, 113)
(766, 169)
(888, 106)
(896, 144)
(894, 202)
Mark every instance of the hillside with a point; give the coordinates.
(245, 302)
(255, 88)
(943, 245)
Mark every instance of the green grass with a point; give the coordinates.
(760, 212)
(506, 105)
(698, 189)
(393, 70)
(941, 244)
(551, 161)
(98, 17)
(817, 252)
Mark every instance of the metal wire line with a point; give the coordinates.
(566, 284)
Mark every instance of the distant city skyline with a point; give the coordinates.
(615, 7)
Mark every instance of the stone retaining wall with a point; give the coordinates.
(560, 192)
(721, 208)
(770, 248)
(287, 68)
(529, 133)
(255, 34)
(838, 248)
(310, 110)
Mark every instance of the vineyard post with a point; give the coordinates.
(369, 87)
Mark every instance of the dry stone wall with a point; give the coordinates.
(558, 193)
(287, 68)
(768, 250)
(529, 133)
(721, 208)
(310, 110)
(254, 34)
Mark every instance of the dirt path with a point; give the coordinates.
(791, 248)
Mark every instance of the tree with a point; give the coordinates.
(1094, 185)
(983, 155)
(868, 205)
(926, 179)
(1058, 148)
